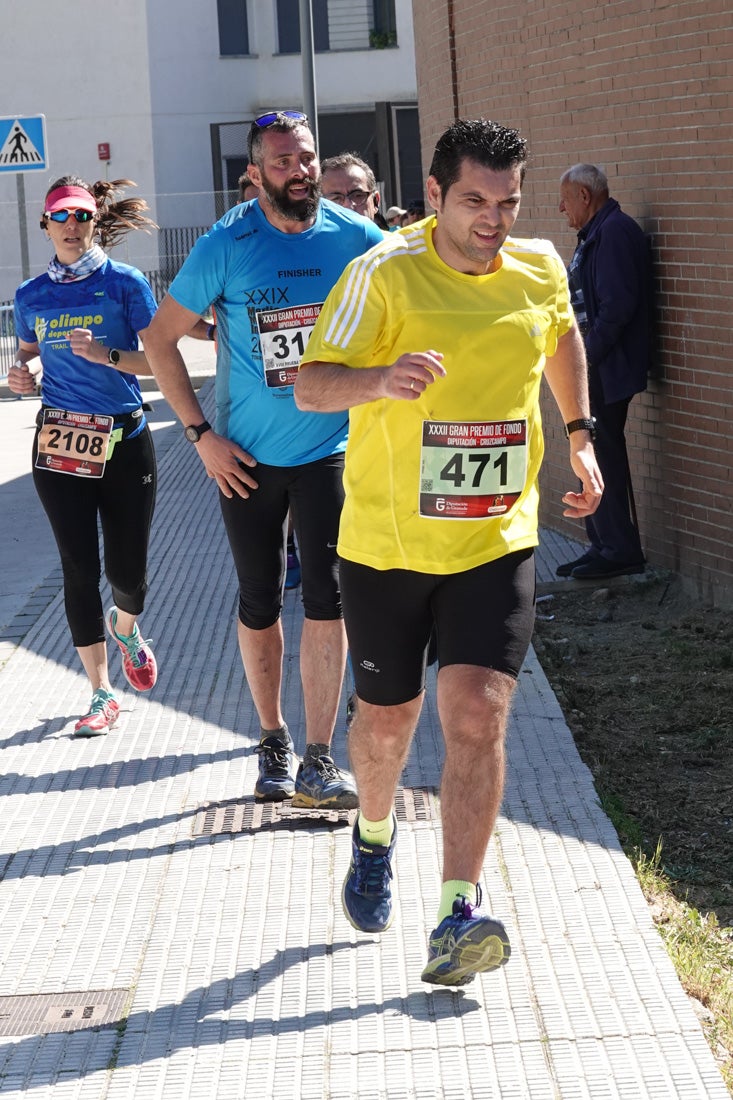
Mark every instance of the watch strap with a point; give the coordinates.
(583, 424)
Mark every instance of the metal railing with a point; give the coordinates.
(8, 343)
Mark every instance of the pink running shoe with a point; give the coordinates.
(138, 660)
(102, 715)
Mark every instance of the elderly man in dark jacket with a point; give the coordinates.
(610, 284)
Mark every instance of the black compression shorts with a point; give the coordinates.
(483, 616)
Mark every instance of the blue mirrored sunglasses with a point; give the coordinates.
(263, 121)
(63, 215)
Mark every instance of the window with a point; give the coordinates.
(384, 20)
(233, 29)
(288, 26)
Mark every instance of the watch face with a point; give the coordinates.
(195, 431)
(114, 356)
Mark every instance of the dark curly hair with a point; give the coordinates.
(115, 217)
(478, 139)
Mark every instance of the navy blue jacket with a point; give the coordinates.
(615, 273)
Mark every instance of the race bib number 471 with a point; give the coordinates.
(283, 336)
(472, 469)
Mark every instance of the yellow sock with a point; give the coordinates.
(452, 890)
(376, 832)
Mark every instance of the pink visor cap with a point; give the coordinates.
(69, 198)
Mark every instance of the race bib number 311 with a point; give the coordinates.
(472, 469)
(283, 336)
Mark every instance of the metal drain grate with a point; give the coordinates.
(413, 805)
(43, 1013)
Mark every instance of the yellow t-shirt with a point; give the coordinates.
(448, 481)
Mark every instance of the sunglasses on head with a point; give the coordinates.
(263, 121)
(63, 215)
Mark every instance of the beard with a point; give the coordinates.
(294, 210)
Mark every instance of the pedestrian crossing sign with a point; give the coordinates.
(23, 144)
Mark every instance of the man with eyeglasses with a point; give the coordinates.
(349, 181)
(267, 267)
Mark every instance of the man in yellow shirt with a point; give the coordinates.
(440, 518)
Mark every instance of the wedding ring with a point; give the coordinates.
(412, 383)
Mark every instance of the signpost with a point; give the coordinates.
(308, 65)
(23, 149)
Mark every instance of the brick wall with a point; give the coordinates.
(642, 87)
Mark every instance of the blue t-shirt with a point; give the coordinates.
(116, 303)
(267, 288)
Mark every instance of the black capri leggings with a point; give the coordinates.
(256, 527)
(123, 499)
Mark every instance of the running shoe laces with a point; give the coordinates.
(320, 784)
(276, 778)
(367, 891)
(135, 645)
(138, 660)
(102, 715)
(372, 872)
(275, 758)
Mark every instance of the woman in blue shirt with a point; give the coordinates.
(93, 454)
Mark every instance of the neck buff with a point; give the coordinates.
(82, 268)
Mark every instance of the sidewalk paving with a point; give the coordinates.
(165, 936)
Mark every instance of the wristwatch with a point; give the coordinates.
(113, 357)
(584, 424)
(194, 431)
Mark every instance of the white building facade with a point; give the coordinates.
(171, 89)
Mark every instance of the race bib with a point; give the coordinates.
(73, 443)
(283, 336)
(472, 469)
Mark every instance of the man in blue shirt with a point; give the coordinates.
(610, 280)
(267, 267)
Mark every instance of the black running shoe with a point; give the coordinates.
(276, 780)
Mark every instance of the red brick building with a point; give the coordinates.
(644, 89)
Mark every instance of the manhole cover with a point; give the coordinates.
(43, 1013)
(413, 805)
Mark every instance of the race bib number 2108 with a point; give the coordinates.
(73, 443)
(472, 469)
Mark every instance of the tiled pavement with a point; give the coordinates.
(162, 936)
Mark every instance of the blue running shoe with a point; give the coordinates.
(320, 785)
(367, 891)
(465, 944)
(276, 779)
(292, 574)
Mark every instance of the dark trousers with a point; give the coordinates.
(122, 500)
(611, 529)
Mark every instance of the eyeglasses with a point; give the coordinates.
(63, 215)
(357, 197)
